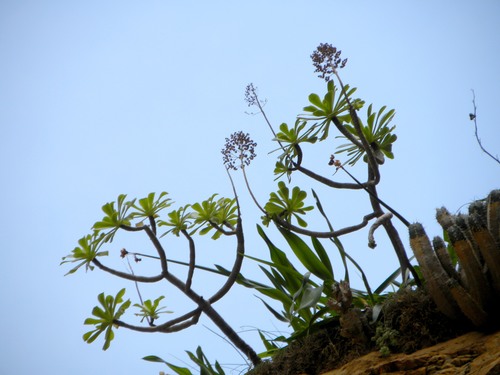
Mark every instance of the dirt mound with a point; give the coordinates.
(408, 322)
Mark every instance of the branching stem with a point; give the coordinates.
(331, 234)
(192, 259)
(372, 162)
(204, 306)
(127, 276)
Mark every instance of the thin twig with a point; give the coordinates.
(228, 341)
(149, 319)
(256, 101)
(154, 240)
(375, 196)
(473, 117)
(261, 109)
(144, 255)
(250, 191)
(135, 281)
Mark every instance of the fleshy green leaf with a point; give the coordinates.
(87, 250)
(150, 207)
(286, 206)
(315, 100)
(114, 217)
(378, 134)
(106, 315)
(150, 309)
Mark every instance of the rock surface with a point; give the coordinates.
(474, 353)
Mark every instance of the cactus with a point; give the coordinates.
(470, 290)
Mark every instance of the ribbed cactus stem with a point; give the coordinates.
(471, 290)
(489, 249)
(434, 274)
(444, 218)
(476, 281)
(479, 208)
(461, 223)
(444, 257)
(468, 305)
(493, 220)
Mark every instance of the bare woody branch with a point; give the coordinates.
(127, 276)
(330, 234)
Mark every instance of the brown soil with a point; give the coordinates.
(409, 321)
(474, 353)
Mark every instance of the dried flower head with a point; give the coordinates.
(251, 94)
(326, 59)
(239, 150)
(335, 162)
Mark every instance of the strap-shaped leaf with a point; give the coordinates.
(281, 317)
(282, 263)
(323, 256)
(306, 255)
(178, 370)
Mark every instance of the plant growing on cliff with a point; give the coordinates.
(318, 295)
(222, 217)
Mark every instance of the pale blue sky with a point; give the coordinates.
(99, 98)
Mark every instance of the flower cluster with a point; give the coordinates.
(239, 150)
(326, 59)
(251, 94)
